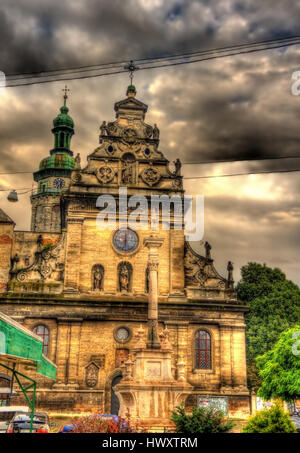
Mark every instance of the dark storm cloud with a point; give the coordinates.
(229, 108)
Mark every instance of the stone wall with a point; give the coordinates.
(82, 340)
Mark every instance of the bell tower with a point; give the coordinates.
(54, 175)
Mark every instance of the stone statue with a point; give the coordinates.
(103, 128)
(127, 173)
(98, 274)
(39, 242)
(177, 164)
(207, 250)
(155, 132)
(125, 272)
(230, 271)
(164, 339)
(78, 162)
(14, 262)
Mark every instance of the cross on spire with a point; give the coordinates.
(131, 67)
(65, 90)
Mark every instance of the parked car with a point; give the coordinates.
(21, 423)
(296, 420)
(7, 413)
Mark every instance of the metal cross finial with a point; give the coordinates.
(66, 89)
(131, 67)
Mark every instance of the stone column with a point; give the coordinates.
(226, 359)
(153, 244)
(62, 353)
(239, 358)
(74, 348)
(73, 252)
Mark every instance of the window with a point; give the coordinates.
(43, 332)
(202, 350)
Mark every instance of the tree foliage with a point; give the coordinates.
(201, 420)
(274, 306)
(272, 420)
(279, 368)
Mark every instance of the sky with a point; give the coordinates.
(230, 108)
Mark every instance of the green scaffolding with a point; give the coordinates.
(31, 402)
(19, 345)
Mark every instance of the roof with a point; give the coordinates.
(4, 218)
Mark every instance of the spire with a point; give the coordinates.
(63, 129)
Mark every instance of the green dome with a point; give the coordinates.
(63, 119)
(58, 161)
(131, 89)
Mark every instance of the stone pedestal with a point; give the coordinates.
(148, 391)
(151, 392)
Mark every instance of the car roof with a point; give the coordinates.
(14, 409)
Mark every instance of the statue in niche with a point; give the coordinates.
(125, 274)
(155, 132)
(128, 169)
(207, 250)
(98, 274)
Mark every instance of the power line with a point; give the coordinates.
(246, 159)
(157, 66)
(241, 174)
(287, 40)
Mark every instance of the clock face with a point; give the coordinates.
(59, 183)
(125, 240)
(122, 334)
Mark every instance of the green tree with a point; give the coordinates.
(201, 420)
(279, 368)
(274, 306)
(272, 420)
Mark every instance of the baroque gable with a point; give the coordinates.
(200, 274)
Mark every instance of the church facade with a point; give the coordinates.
(84, 290)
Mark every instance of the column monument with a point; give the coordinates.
(148, 390)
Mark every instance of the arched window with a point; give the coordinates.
(43, 332)
(202, 350)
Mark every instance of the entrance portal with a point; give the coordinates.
(114, 402)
